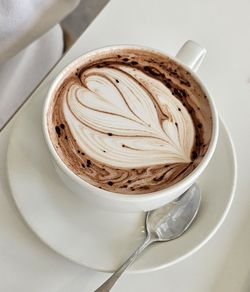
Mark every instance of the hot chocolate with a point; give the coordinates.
(130, 121)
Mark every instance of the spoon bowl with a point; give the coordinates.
(173, 219)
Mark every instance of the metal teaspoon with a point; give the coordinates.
(163, 224)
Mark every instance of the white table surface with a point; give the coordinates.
(223, 264)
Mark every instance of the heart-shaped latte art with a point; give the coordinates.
(123, 118)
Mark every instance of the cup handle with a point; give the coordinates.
(191, 54)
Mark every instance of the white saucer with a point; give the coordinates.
(96, 238)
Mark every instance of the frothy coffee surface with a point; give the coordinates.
(130, 121)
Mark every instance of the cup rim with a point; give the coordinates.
(180, 185)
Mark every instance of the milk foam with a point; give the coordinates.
(112, 116)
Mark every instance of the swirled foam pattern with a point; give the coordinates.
(130, 122)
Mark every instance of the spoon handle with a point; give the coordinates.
(108, 284)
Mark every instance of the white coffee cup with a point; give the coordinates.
(190, 57)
